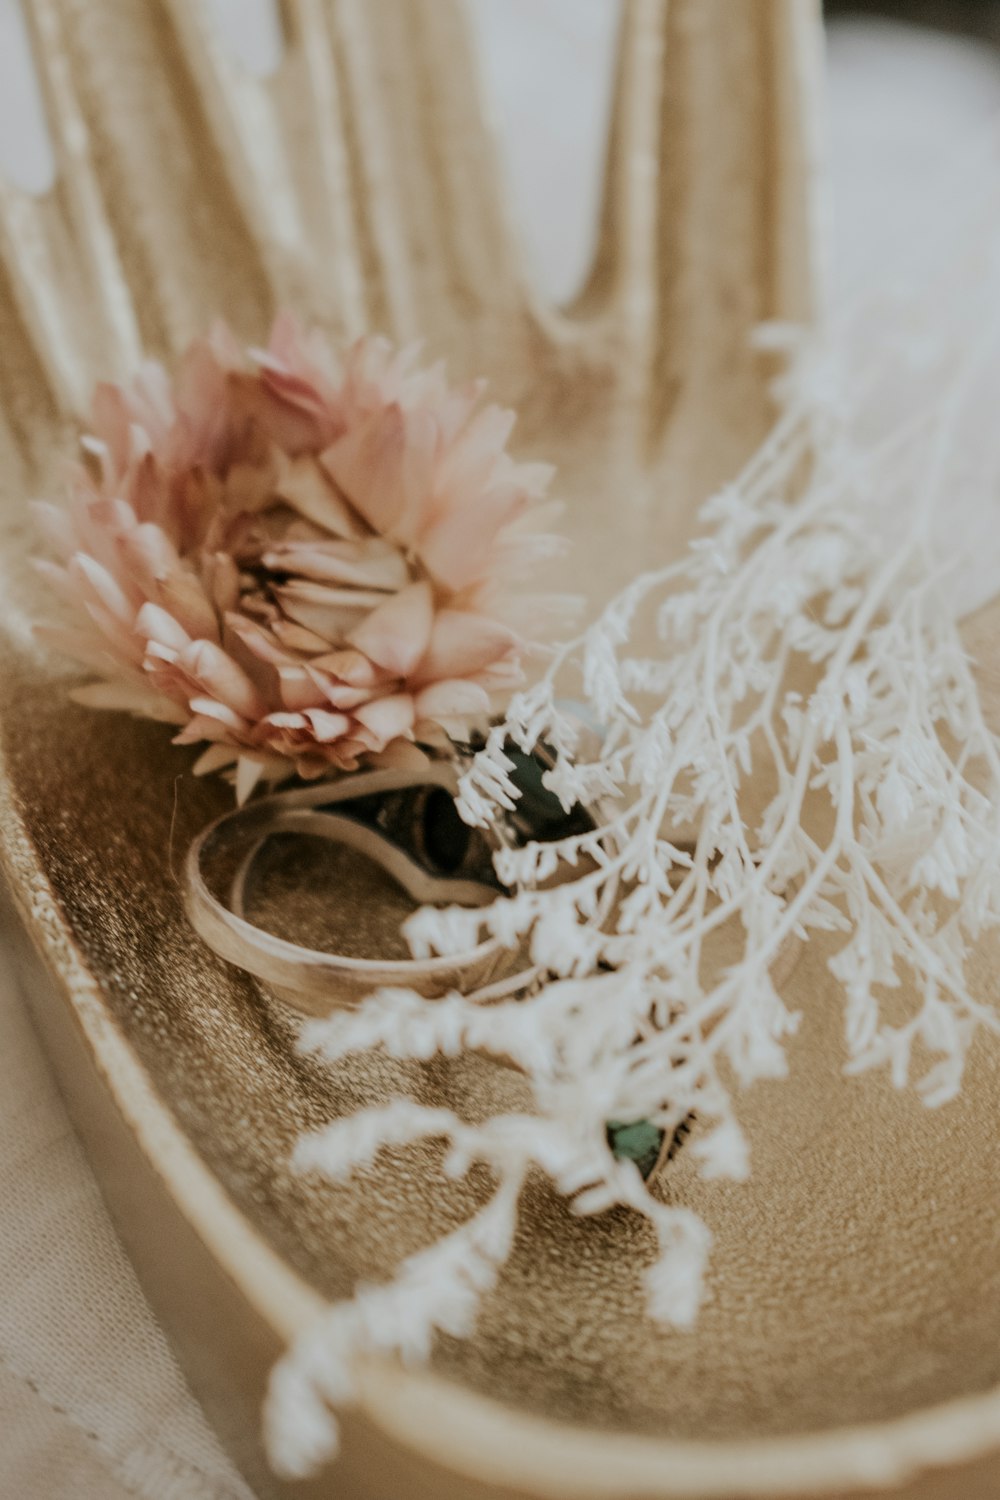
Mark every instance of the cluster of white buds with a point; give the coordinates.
(801, 748)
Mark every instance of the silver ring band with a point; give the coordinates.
(315, 980)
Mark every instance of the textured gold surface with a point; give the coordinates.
(856, 1278)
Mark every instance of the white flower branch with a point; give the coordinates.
(793, 745)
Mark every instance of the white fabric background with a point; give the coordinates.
(92, 1405)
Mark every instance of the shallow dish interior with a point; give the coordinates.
(855, 1277)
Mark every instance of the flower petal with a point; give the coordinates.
(129, 697)
(350, 666)
(299, 688)
(297, 638)
(457, 549)
(463, 644)
(368, 464)
(51, 521)
(112, 421)
(400, 755)
(258, 641)
(219, 675)
(222, 582)
(202, 434)
(153, 623)
(249, 770)
(419, 460)
(339, 695)
(214, 759)
(306, 487)
(330, 612)
(59, 581)
(217, 714)
(203, 727)
(327, 726)
(280, 407)
(451, 700)
(89, 649)
(148, 553)
(395, 636)
(369, 565)
(97, 584)
(184, 597)
(468, 466)
(385, 719)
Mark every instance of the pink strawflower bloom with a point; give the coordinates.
(301, 560)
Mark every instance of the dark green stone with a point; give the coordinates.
(539, 811)
(637, 1140)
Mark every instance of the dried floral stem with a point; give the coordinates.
(802, 753)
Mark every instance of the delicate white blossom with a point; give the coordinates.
(802, 751)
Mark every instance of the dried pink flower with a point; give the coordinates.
(299, 559)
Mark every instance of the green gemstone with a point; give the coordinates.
(636, 1140)
(539, 811)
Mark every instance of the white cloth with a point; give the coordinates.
(92, 1404)
(91, 1399)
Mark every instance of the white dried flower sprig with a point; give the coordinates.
(436, 1291)
(439, 1289)
(794, 744)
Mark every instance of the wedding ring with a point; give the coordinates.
(406, 822)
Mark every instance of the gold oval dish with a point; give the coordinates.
(851, 1336)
